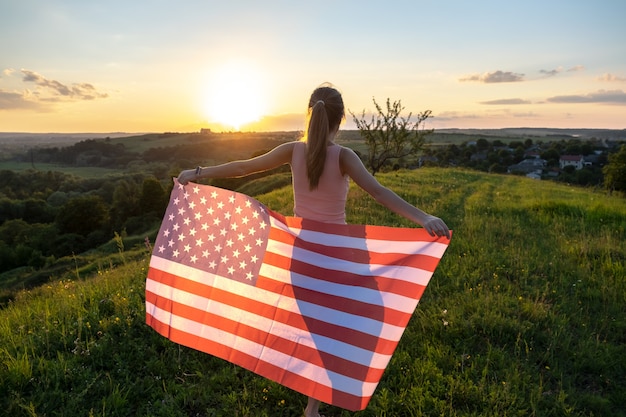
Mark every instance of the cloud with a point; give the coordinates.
(506, 101)
(58, 90)
(553, 72)
(576, 68)
(12, 101)
(600, 96)
(611, 78)
(495, 77)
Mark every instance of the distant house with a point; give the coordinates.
(527, 166)
(577, 161)
(205, 131)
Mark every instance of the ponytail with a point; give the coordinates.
(317, 135)
(326, 112)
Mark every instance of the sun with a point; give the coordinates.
(235, 95)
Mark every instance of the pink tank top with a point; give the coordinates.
(326, 203)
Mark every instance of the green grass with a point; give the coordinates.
(523, 317)
(83, 172)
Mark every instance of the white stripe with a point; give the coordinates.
(305, 369)
(355, 354)
(360, 294)
(404, 273)
(363, 324)
(434, 249)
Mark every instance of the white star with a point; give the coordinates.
(187, 248)
(181, 237)
(249, 276)
(176, 227)
(251, 231)
(263, 225)
(254, 258)
(198, 216)
(176, 201)
(245, 220)
(199, 242)
(192, 205)
(193, 259)
(248, 203)
(214, 195)
(175, 253)
(186, 221)
(205, 253)
(231, 199)
(243, 264)
(166, 233)
(224, 259)
(240, 237)
(192, 231)
(236, 253)
(203, 200)
(196, 190)
(216, 221)
(259, 242)
(212, 264)
(238, 210)
(220, 205)
(229, 243)
(248, 248)
(161, 249)
(231, 270)
(233, 226)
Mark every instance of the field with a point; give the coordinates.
(523, 317)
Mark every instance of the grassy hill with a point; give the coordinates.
(524, 317)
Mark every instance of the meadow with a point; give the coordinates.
(523, 317)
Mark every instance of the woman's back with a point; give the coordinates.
(326, 202)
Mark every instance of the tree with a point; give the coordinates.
(389, 135)
(615, 171)
(153, 198)
(83, 215)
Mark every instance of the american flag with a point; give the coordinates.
(316, 307)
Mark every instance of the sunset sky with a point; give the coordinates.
(157, 65)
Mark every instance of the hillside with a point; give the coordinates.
(523, 317)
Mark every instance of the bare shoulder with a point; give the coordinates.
(284, 151)
(349, 160)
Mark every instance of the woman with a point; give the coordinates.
(321, 171)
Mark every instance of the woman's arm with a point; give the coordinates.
(278, 156)
(352, 165)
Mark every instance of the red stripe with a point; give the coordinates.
(340, 333)
(389, 285)
(265, 369)
(425, 262)
(401, 234)
(336, 302)
(308, 354)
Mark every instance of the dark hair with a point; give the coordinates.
(326, 112)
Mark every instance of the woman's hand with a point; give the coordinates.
(187, 175)
(435, 226)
